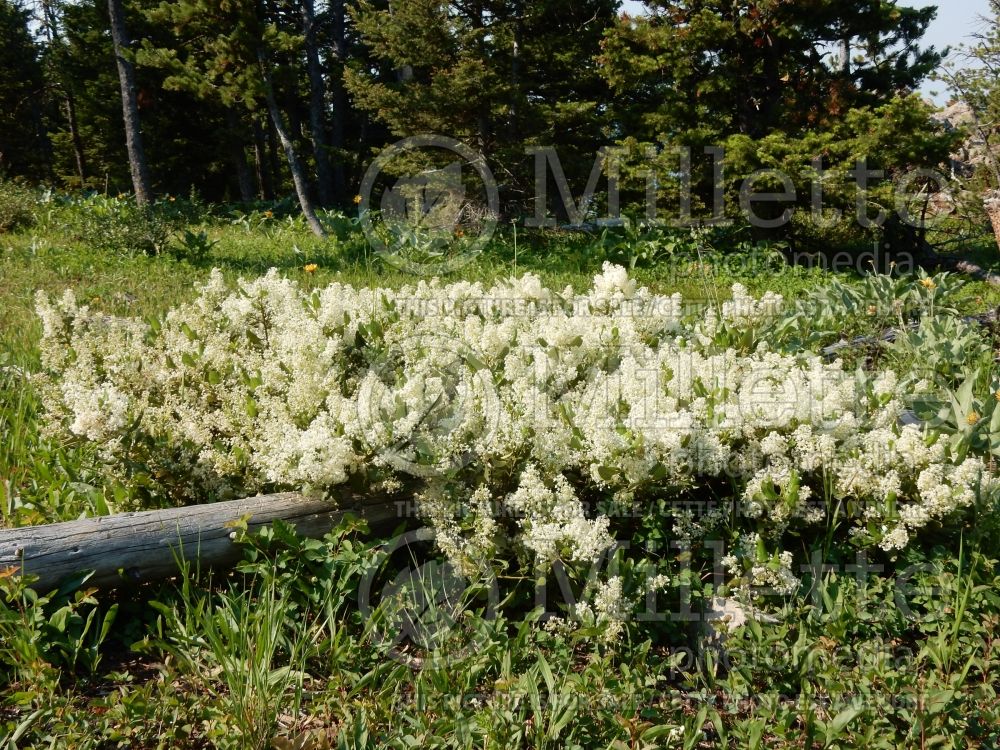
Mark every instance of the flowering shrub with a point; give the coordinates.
(516, 411)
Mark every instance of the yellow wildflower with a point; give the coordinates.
(928, 284)
(310, 267)
(357, 200)
(972, 418)
(269, 214)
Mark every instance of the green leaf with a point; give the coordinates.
(657, 732)
(72, 583)
(543, 667)
(839, 723)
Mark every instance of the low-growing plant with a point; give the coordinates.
(968, 415)
(641, 243)
(941, 347)
(119, 226)
(243, 645)
(18, 206)
(193, 246)
(866, 309)
(921, 674)
(60, 630)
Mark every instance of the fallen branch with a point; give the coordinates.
(928, 257)
(135, 547)
(968, 268)
(891, 334)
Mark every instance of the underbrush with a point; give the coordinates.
(17, 207)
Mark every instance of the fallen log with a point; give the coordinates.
(129, 548)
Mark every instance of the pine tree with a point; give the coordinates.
(227, 52)
(317, 103)
(187, 143)
(978, 85)
(80, 58)
(58, 75)
(22, 140)
(759, 66)
(776, 84)
(497, 76)
(432, 73)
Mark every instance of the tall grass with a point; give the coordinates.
(245, 647)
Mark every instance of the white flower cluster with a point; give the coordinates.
(754, 570)
(553, 523)
(745, 310)
(609, 608)
(519, 399)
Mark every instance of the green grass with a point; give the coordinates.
(279, 650)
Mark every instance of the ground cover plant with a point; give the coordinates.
(584, 524)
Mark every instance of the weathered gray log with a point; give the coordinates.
(134, 547)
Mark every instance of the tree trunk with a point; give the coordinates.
(484, 124)
(339, 95)
(844, 56)
(273, 162)
(74, 136)
(265, 182)
(294, 165)
(66, 86)
(515, 72)
(129, 548)
(237, 152)
(317, 105)
(991, 204)
(130, 105)
(42, 137)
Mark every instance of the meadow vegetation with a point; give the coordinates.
(854, 640)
